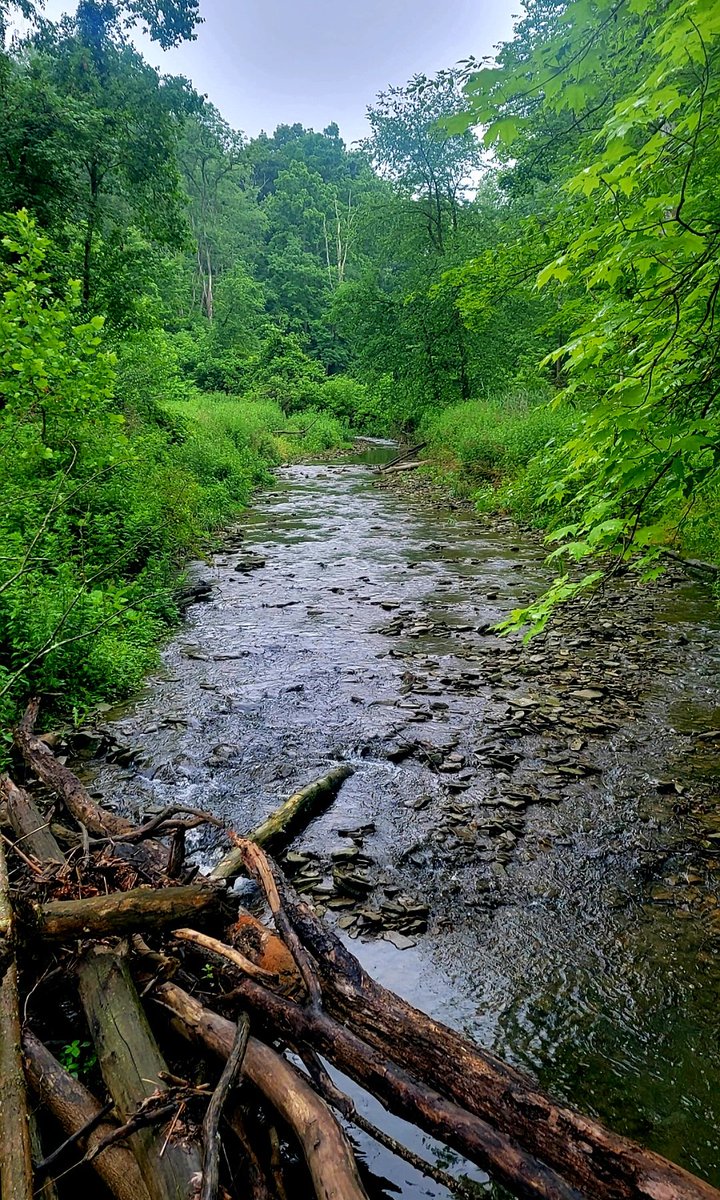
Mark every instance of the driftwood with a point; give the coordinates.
(280, 824)
(405, 1096)
(75, 797)
(138, 910)
(73, 1107)
(406, 466)
(327, 1153)
(16, 1175)
(133, 1070)
(410, 452)
(28, 823)
(301, 987)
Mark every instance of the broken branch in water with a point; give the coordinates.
(277, 828)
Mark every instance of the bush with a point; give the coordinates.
(321, 432)
(111, 470)
(490, 438)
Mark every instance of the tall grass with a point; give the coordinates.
(497, 450)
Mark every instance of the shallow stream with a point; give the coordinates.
(538, 839)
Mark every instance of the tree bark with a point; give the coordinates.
(16, 1175)
(132, 1065)
(594, 1159)
(29, 824)
(118, 913)
(327, 1152)
(281, 824)
(73, 1106)
(42, 762)
(406, 1096)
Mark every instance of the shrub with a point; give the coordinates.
(489, 438)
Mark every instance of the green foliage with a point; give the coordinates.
(110, 473)
(637, 227)
(320, 432)
(488, 439)
(78, 1058)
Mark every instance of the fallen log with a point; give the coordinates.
(29, 824)
(406, 1096)
(119, 913)
(325, 1147)
(16, 1177)
(281, 824)
(594, 1159)
(43, 764)
(133, 1070)
(399, 458)
(74, 1107)
(406, 466)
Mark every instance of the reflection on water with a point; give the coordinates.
(591, 959)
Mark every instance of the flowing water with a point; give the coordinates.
(551, 806)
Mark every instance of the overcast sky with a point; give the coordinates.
(263, 62)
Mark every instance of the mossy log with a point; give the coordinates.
(135, 911)
(133, 1069)
(29, 824)
(283, 822)
(16, 1177)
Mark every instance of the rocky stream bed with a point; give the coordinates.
(529, 847)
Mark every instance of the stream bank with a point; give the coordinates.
(528, 848)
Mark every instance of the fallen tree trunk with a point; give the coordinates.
(29, 824)
(326, 1150)
(133, 1067)
(73, 1107)
(126, 912)
(406, 466)
(406, 1097)
(16, 1177)
(42, 762)
(280, 825)
(594, 1159)
(400, 458)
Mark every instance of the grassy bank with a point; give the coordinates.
(497, 452)
(98, 543)
(508, 455)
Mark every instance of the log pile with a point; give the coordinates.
(210, 1031)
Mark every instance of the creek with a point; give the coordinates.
(530, 841)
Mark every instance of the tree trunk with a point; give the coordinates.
(42, 762)
(407, 1097)
(595, 1160)
(73, 1106)
(29, 824)
(16, 1176)
(327, 1152)
(132, 1065)
(279, 826)
(136, 911)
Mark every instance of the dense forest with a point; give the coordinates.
(520, 264)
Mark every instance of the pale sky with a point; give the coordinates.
(264, 62)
